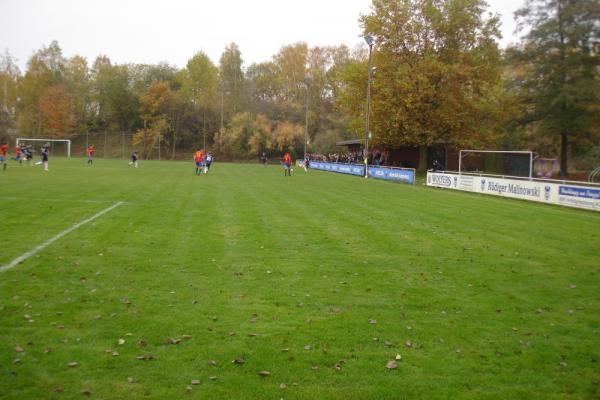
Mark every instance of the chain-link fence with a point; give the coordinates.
(118, 145)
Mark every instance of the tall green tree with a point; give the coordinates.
(438, 74)
(9, 78)
(78, 83)
(45, 70)
(232, 79)
(559, 85)
(292, 71)
(198, 95)
(115, 103)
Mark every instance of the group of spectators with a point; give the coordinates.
(376, 157)
(346, 158)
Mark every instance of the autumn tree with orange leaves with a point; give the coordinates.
(56, 112)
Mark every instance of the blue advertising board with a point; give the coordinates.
(387, 173)
(350, 169)
(582, 192)
(392, 174)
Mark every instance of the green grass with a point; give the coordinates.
(500, 299)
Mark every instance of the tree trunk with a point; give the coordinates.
(563, 154)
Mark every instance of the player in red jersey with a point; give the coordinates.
(3, 155)
(287, 164)
(18, 154)
(90, 154)
(199, 160)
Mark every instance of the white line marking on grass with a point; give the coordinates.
(48, 242)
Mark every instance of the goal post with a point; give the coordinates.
(496, 162)
(66, 141)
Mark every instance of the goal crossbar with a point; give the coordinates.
(67, 141)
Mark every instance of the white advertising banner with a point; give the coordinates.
(566, 194)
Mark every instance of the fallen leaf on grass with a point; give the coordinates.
(212, 378)
(282, 386)
(307, 347)
(212, 362)
(129, 380)
(19, 349)
(264, 373)
(173, 341)
(186, 337)
(238, 360)
(73, 364)
(121, 341)
(372, 321)
(195, 382)
(391, 364)
(408, 343)
(143, 357)
(398, 357)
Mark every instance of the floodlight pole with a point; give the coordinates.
(222, 100)
(307, 82)
(370, 42)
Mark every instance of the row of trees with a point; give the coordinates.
(240, 111)
(440, 78)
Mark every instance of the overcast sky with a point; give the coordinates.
(150, 31)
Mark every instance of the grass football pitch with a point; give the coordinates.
(245, 284)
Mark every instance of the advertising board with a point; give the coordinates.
(544, 191)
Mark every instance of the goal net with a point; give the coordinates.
(495, 162)
(58, 147)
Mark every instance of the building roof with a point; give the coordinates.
(349, 142)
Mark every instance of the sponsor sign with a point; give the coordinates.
(466, 182)
(442, 180)
(351, 169)
(533, 190)
(393, 174)
(578, 196)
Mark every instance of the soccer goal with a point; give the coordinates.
(57, 146)
(496, 162)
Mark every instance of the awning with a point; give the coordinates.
(349, 142)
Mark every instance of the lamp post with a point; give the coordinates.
(222, 84)
(307, 82)
(370, 42)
